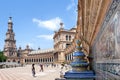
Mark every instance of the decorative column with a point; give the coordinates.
(79, 66)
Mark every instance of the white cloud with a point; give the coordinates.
(52, 24)
(70, 6)
(48, 37)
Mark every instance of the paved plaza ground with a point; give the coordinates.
(24, 73)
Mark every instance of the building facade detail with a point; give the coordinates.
(98, 22)
(62, 40)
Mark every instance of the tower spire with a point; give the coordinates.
(10, 42)
(10, 23)
(10, 20)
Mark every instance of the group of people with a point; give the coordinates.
(63, 66)
(33, 69)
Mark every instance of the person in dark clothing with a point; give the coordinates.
(33, 70)
(41, 67)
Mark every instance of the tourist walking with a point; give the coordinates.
(41, 67)
(33, 70)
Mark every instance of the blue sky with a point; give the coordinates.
(36, 20)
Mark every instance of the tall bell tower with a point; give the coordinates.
(10, 49)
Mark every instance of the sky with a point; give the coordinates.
(34, 21)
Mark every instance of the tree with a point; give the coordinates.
(2, 57)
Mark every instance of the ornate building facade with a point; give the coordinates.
(98, 24)
(98, 27)
(98, 30)
(62, 39)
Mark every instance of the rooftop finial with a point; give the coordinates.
(27, 46)
(61, 25)
(10, 19)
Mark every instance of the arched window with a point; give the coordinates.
(69, 38)
(46, 60)
(66, 37)
(50, 59)
(25, 60)
(32, 60)
(41, 60)
(36, 60)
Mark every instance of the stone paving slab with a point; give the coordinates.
(24, 73)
